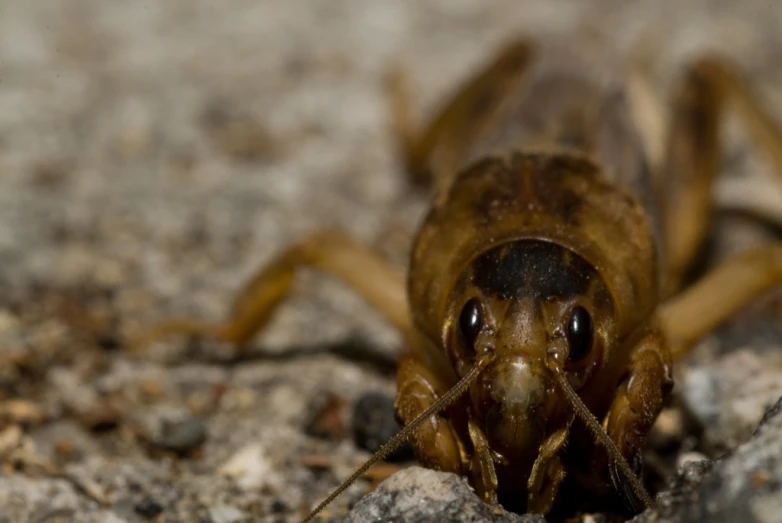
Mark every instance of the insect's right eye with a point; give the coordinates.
(470, 324)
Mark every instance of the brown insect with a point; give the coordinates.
(543, 306)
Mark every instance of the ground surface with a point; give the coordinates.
(153, 154)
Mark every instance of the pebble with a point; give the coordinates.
(22, 411)
(689, 457)
(328, 420)
(743, 485)
(250, 468)
(227, 514)
(728, 396)
(182, 436)
(419, 495)
(374, 423)
(148, 508)
(668, 431)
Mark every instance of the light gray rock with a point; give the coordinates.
(744, 485)
(154, 154)
(227, 514)
(729, 395)
(419, 495)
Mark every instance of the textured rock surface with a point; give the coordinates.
(744, 485)
(729, 396)
(153, 154)
(421, 495)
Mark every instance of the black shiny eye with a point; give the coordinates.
(579, 334)
(470, 323)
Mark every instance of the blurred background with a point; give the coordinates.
(154, 154)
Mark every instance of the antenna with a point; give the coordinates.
(453, 394)
(594, 426)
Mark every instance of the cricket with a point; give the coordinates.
(547, 296)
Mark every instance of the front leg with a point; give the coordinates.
(547, 473)
(638, 401)
(483, 473)
(435, 442)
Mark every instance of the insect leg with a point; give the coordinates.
(547, 473)
(693, 155)
(331, 252)
(461, 114)
(482, 465)
(730, 286)
(637, 403)
(436, 442)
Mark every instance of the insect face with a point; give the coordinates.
(517, 301)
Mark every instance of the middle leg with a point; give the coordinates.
(334, 253)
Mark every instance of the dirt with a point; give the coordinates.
(154, 154)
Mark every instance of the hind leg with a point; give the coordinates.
(436, 149)
(693, 156)
(693, 163)
(331, 252)
(721, 293)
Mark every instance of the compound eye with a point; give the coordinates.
(470, 324)
(579, 334)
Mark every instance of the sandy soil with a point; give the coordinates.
(154, 154)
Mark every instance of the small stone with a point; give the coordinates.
(91, 409)
(183, 436)
(328, 420)
(689, 457)
(418, 495)
(317, 461)
(227, 514)
(9, 322)
(729, 395)
(108, 342)
(374, 423)
(250, 468)
(148, 508)
(668, 430)
(102, 418)
(279, 506)
(11, 438)
(65, 449)
(240, 136)
(151, 390)
(22, 411)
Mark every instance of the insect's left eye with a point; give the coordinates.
(579, 334)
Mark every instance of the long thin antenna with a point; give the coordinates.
(587, 417)
(400, 437)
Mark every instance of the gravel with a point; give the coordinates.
(154, 154)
